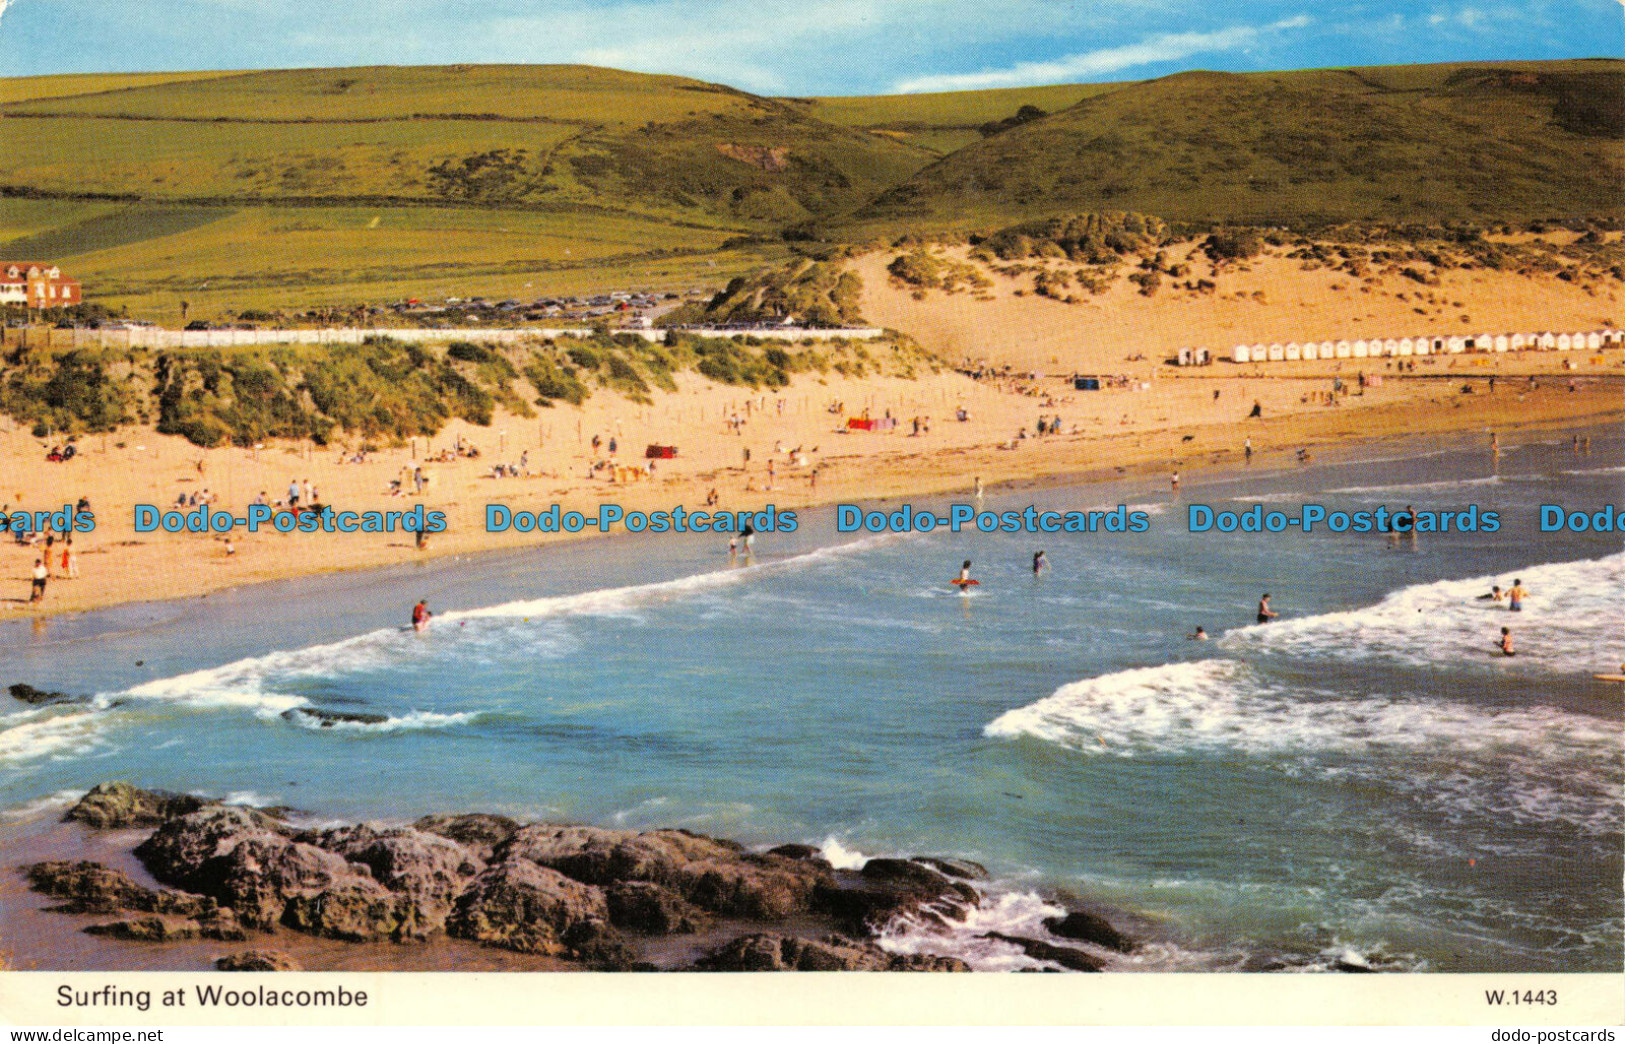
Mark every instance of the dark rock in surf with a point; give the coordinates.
(326, 719)
(806, 853)
(256, 961)
(1087, 927)
(39, 697)
(118, 805)
(1038, 950)
(220, 925)
(963, 869)
(888, 888)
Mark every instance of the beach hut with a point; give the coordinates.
(1593, 340)
(1390, 347)
(1407, 346)
(1423, 347)
(1311, 350)
(1517, 342)
(1203, 357)
(1547, 341)
(1361, 349)
(1241, 353)
(1328, 350)
(1293, 351)
(1343, 349)
(1455, 345)
(1564, 342)
(1277, 352)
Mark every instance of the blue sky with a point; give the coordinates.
(803, 46)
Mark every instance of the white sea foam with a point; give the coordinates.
(413, 721)
(60, 801)
(1572, 622)
(57, 735)
(1442, 486)
(1225, 704)
(841, 857)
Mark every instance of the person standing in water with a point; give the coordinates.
(1265, 613)
(1505, 644)
(421, 615)
(963, 580)
(1199, 635)
(1040, 563)
(1516, 596)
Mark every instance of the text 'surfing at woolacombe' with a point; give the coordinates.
(1139, 508)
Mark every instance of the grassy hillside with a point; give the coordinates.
(945, 122)
(1434, 143)
(287, 190)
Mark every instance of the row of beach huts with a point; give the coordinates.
(1379, 348)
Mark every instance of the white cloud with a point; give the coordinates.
(3, 5)
(1167, 47)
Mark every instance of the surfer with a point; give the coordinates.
(1199, 635)
(1040, 563)
(1265, 613)
(421, 616)
(1495, 595)
(963, 580)
(1516, 596)
(1505, 644)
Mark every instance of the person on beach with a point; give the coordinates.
(70, 560)
(733, 546)
(293, 493)
(1505, 644)
(1495, 595)
(1247, 448)
(421, 616)
(748, 532)
(1175, 482)
(978, 487)
(1265, 613)
(1040, 563)
(1199, 635)
(36, 592)
(1516, 596)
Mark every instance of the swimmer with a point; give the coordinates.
(1265, 613)
(1516, 596)
(1495, 595)
(421, 616)
(963, 580)
(1040, 563)
(1199, 635)
(1505, 644)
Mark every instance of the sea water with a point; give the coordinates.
(1363, 780)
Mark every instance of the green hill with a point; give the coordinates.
(1506, 141)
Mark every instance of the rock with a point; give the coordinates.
(117, 805)
(39, 697)
(963, 869)
(765, 952)
(479, 832)
(178, 851)
(715, 875)
(805, 852)
(236, 857)
(887, 888)
(1088, 927)
(430, 871)
(520, 905)
(152, 928)
(1039, 950)
(257, 961)
(326, 719)
(643, 906)
(90, 887)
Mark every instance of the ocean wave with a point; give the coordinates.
(1441, 486)
(409, 722)
(56, 735)
(1225, 704)
(1571, 623)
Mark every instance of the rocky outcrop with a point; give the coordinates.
(479, 832)
(522, 906)
(220, 925)
(651, 909)
(257, 961)
(118, 805)
(714, 875)
(326, 719)
(865, 901)
(1088, 927)
(767, 952)
(428, 871)
(1039, 950)
(87, 887)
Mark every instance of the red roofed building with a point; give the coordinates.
(37, 286)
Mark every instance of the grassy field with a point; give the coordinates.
(302, 188)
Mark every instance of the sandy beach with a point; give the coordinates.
(1166, 419)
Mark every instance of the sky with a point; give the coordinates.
(803, 47)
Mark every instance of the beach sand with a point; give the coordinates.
(1172, 419)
